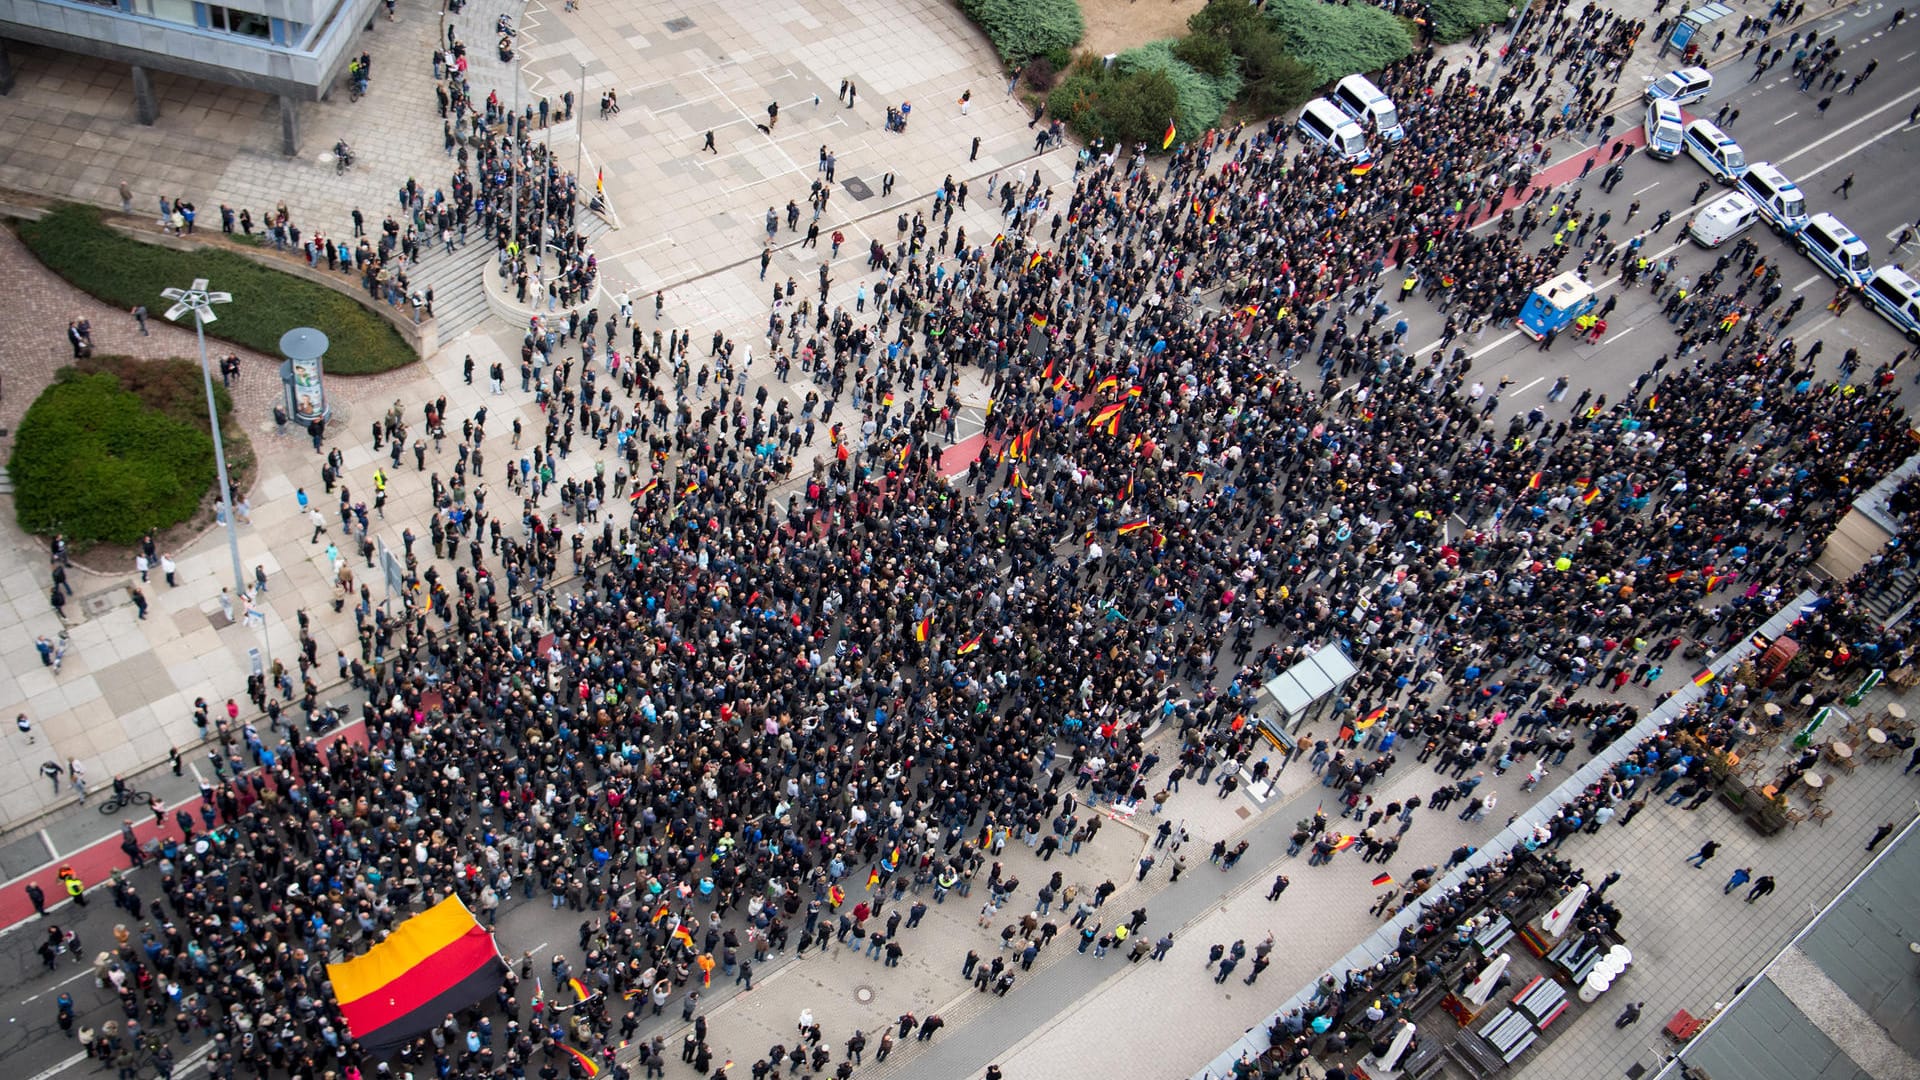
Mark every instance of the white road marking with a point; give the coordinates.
(1786, 118)
(1648, 188)
(1817, 143)
(55, 1070)
(1906, 58)
(1531, 385)
(1804, 284)
(1831, 162)
(83, 973)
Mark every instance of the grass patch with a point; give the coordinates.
(73, 242)
(116, 446)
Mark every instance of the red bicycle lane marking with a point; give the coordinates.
(94, 863)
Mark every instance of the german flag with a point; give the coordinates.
(1344, 842)
(661, 912)
(1592, 494)
(1703, 676)
(586, 1063)
(1196, 475)
(580, 991)
(923, 629)
(1383, 879)
(1534, 481)
(692, 486)
(1675, 575)
(1653, 402)
(648, 489)
(436, 963)
(1159, 539)
(873, 878)
(836, 896)
(1134, 526)
(1213, 214)
(681, 935)
(1361, 169)
(886, 400)
(1111, 382)
(1371, 718)
(1135, 390)
(969, 645)
(1714, 580)
(1038, 258)
(1109, 418)
(1166, 139)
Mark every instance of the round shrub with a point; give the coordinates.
(94, 459)
(1203, 97)
(1120, 107)
(1454, 20)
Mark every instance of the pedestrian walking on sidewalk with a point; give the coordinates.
(1761, 887)
(1740, 877)
(1707, 850)
(1879, 834)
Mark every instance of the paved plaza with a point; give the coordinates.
(690, 225)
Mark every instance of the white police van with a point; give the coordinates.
(1894, 294)
(1326, 125)
(1359, 98)
(1716, 152)
(1836, 250)
(1665, 135)
(1781, 202)
(1682, 86)
(1723, 219)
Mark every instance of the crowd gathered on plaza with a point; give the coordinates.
(724, 705)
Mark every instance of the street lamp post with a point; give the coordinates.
(199, 301)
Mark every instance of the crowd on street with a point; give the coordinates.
(724, 705)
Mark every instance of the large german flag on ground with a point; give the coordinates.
(436, 963)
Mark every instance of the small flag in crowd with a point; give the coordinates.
(1362, 169)
(886, 400)
(923, 629)
(1703, 676)
(970, 645)
(1134, 526)
(1344, 842)
(1383, 879)
(1166, 140)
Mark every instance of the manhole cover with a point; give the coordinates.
(674, 26)
(863, 995)
(102, 602)
(857, 188)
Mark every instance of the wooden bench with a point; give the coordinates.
(1489, 938)
(1510, 1033)
(1542, 1001)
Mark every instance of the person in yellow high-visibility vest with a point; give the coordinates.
(76, 891)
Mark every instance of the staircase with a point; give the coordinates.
(459, 304)
(1894, 596)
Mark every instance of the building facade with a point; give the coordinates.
(292, 49)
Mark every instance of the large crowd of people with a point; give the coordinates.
(736, 695)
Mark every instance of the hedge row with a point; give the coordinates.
(1024, 29)
(74, 243)
(1337, 40)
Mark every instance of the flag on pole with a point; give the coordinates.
(600, 180)
(1166, 140)
(580, 991)
(1591, 495)
(1134, 526)
(1371, 718)
(681, 935)
(1109, 418)
(1109, 383)
(873, 878)
(969, 645)
(1362, 169)
(923, 629)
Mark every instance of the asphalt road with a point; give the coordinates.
(1866, 135)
